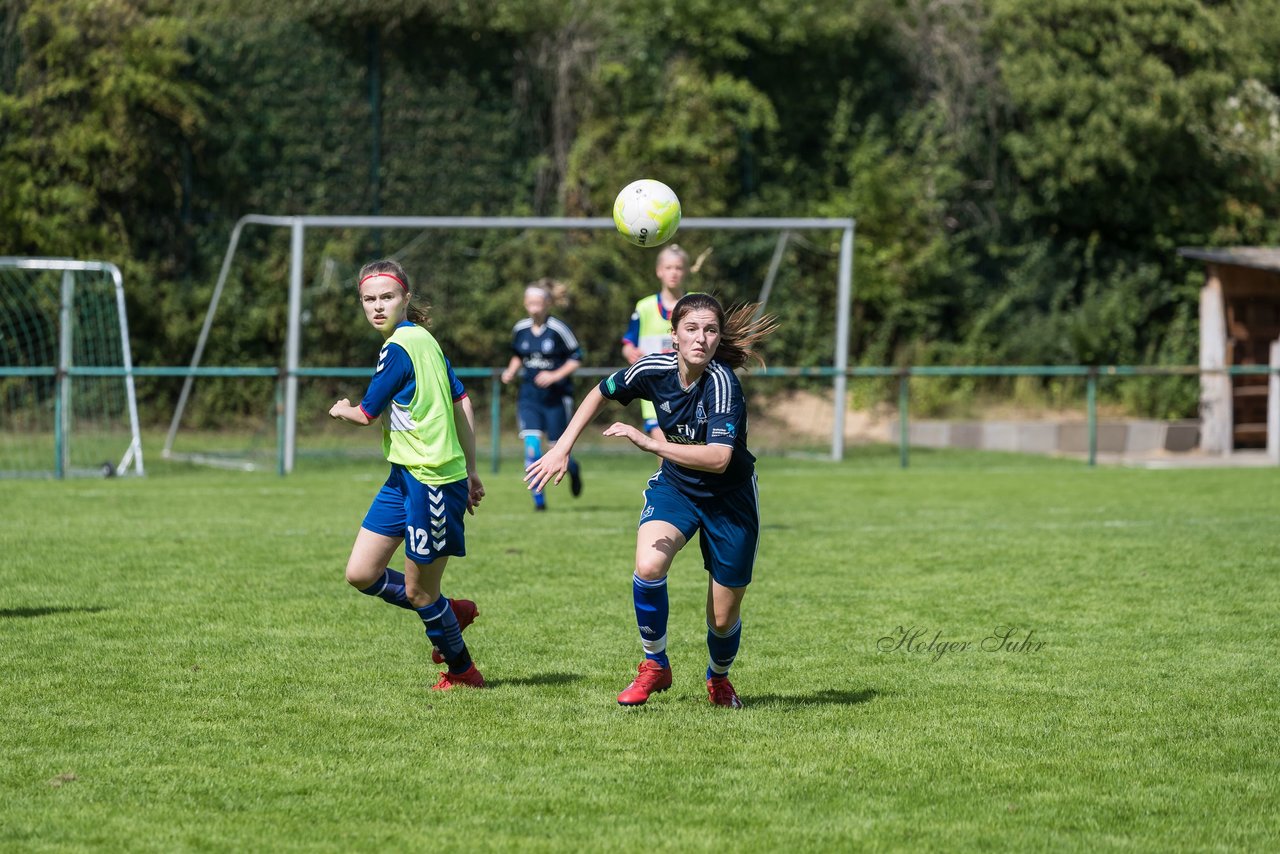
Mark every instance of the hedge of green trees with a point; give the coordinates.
(1022, 171)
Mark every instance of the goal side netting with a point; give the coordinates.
(69, 406)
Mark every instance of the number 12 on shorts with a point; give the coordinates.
(420, 540)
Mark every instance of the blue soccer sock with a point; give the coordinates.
(390, 589)
(532, 453)
(573, 466)
(723, 649)
(651, 616)
(443, 631)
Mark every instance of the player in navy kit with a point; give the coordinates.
(706, 483)
(546, 348)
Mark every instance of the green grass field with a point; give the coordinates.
(183, 668)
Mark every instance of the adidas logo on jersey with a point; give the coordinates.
(665, 407)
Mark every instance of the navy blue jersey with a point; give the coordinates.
(393, 379)
(712, 411)
(546, 350)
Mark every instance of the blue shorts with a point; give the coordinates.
(549, 420)
(430, 518)
(729, 526)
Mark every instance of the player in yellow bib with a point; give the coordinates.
(650, 328)
(428, 436)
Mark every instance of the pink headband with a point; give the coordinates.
(389, 276)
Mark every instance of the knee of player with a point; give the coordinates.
(722, 625)
(652, 568)
(360, 577)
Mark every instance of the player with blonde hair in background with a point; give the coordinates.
(650, 329)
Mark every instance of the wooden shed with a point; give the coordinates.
(1239, 325)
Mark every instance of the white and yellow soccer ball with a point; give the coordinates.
(647, 212)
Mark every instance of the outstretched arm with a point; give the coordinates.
(555, 462)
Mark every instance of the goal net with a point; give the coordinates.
(66, 373)
(473, 271)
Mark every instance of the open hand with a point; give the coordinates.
(553, 464)
(626, 431)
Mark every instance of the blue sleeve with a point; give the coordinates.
(571, 346)
(632, 335)
(456, 387)
(393, 373)
(615, 386)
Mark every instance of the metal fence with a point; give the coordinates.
(1090, 374)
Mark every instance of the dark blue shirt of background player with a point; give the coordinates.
(544, 348)
(546, 353)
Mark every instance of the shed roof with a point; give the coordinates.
(1254, 257)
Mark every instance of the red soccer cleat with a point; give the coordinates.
(466, 612)
(469, 678)
(651, 679)
(722, 694)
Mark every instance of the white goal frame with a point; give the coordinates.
(66, 368)
(298, 226)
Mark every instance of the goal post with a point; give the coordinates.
(298, 226)
(66, 370)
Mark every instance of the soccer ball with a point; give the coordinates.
(646, 212)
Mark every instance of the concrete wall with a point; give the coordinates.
(1123, 438)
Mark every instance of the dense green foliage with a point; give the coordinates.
(1021, 172)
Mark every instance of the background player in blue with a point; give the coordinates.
(429, 439)
(706, 483)
(546, 348)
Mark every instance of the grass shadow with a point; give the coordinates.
(536, 679)
(605, 506)
(825, 697)
(20, 613)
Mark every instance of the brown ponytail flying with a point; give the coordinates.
(740, 330)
